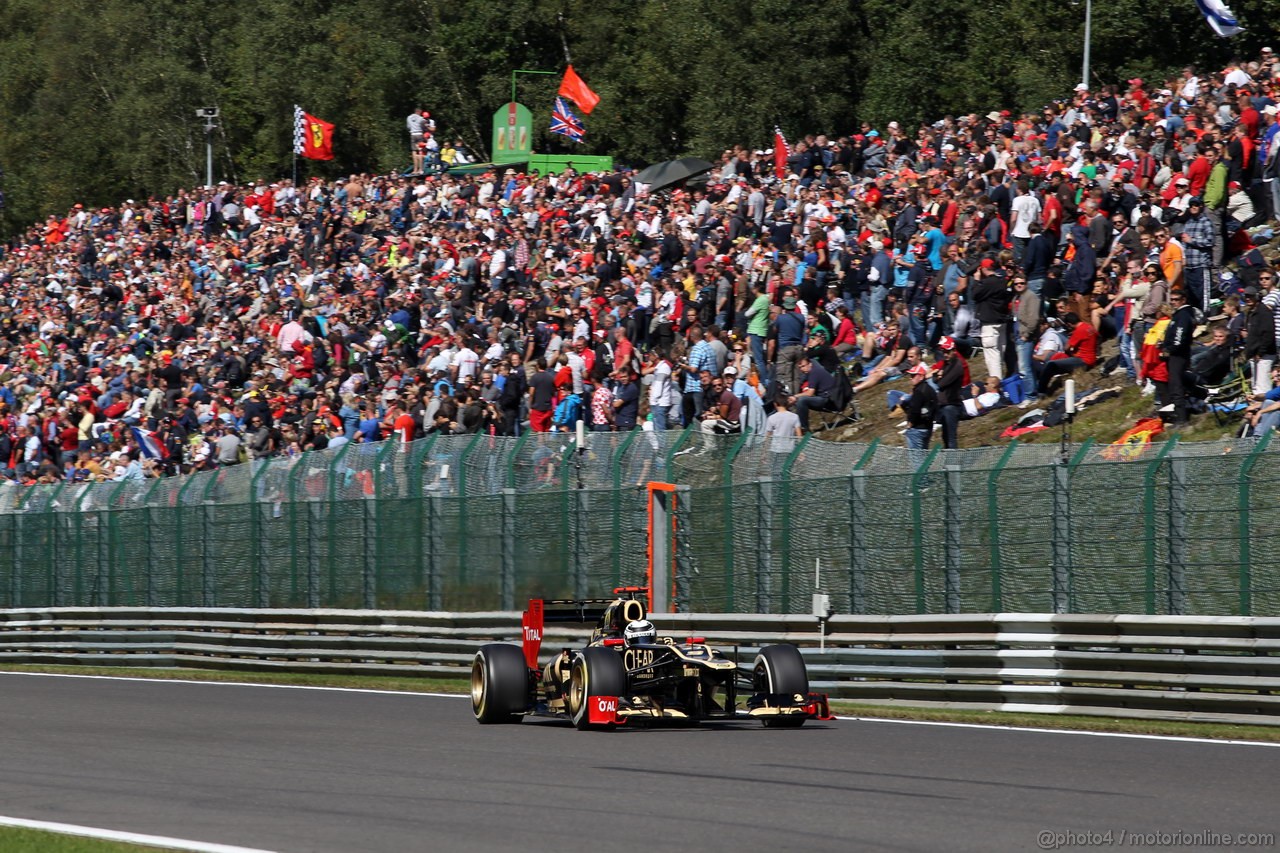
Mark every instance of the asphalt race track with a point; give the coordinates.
(317, 770)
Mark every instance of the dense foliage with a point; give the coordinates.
(98, 100)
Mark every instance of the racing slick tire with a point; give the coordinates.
(499, 684)
(595, 671)
(781, 669)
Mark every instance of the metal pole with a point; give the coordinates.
(951, 539)
(1088, 37)
(1179, 486)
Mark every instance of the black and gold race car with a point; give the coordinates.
(627, 674)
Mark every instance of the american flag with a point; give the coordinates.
(564, 122)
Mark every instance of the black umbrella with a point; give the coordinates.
(661, 175)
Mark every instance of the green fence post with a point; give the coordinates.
(292, 474)
(514, 455)
(180, 548)
(727, 497)
(374, 541)
(462, 507)
(1063, 560)
(993, 524)
(1149, 519)
(618, 456)
(421, 450)
(80, 513)
(685, 435)
(50, 519)
(865, 458)
(857, 530)
(1242, 513)
(423, 558)
(570, 569)
(208, 585)
(258, 589)
(148, 501)
(116, 546)
(786, 520)
(917, 524)
(333, 525)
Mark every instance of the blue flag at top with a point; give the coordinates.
(1219, 17)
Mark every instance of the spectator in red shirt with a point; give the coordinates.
(1081, 352)
(1198, 171)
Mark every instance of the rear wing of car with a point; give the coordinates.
(580, 611)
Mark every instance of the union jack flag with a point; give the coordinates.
(565, 123)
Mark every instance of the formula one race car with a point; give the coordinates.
(626, 673)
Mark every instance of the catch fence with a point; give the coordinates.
(480, 523)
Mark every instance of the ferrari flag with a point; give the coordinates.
(573, 88)
(312, 137)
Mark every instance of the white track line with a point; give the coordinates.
(1132, 735)
(128, 837)
(846, 718)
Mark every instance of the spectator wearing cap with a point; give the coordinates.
(950, 384)
(1081, 351)
(724, 414)
(920, 409)
(1240, 210)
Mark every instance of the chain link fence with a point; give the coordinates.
(480, 522)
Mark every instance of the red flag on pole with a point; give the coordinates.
(780, 153)
(573, 88)
(312, 137)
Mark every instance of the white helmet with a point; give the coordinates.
(640, 632)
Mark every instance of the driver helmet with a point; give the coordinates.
(640, 632)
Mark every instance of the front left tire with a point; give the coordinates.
(781, 670)
(499, 684)
(595, 671)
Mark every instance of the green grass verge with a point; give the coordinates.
(14, 840)
(1266, 734)
(407, 684)
(1217, 731)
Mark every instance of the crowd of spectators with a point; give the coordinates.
(226, 323)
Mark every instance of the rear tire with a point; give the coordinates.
(781, 669)
(499, 684)
(595, 671)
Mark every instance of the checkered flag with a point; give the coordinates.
(299, 129)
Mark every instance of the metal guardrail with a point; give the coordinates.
(1214, 669)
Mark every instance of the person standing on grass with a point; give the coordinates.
(950, 382)
(920, 409)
